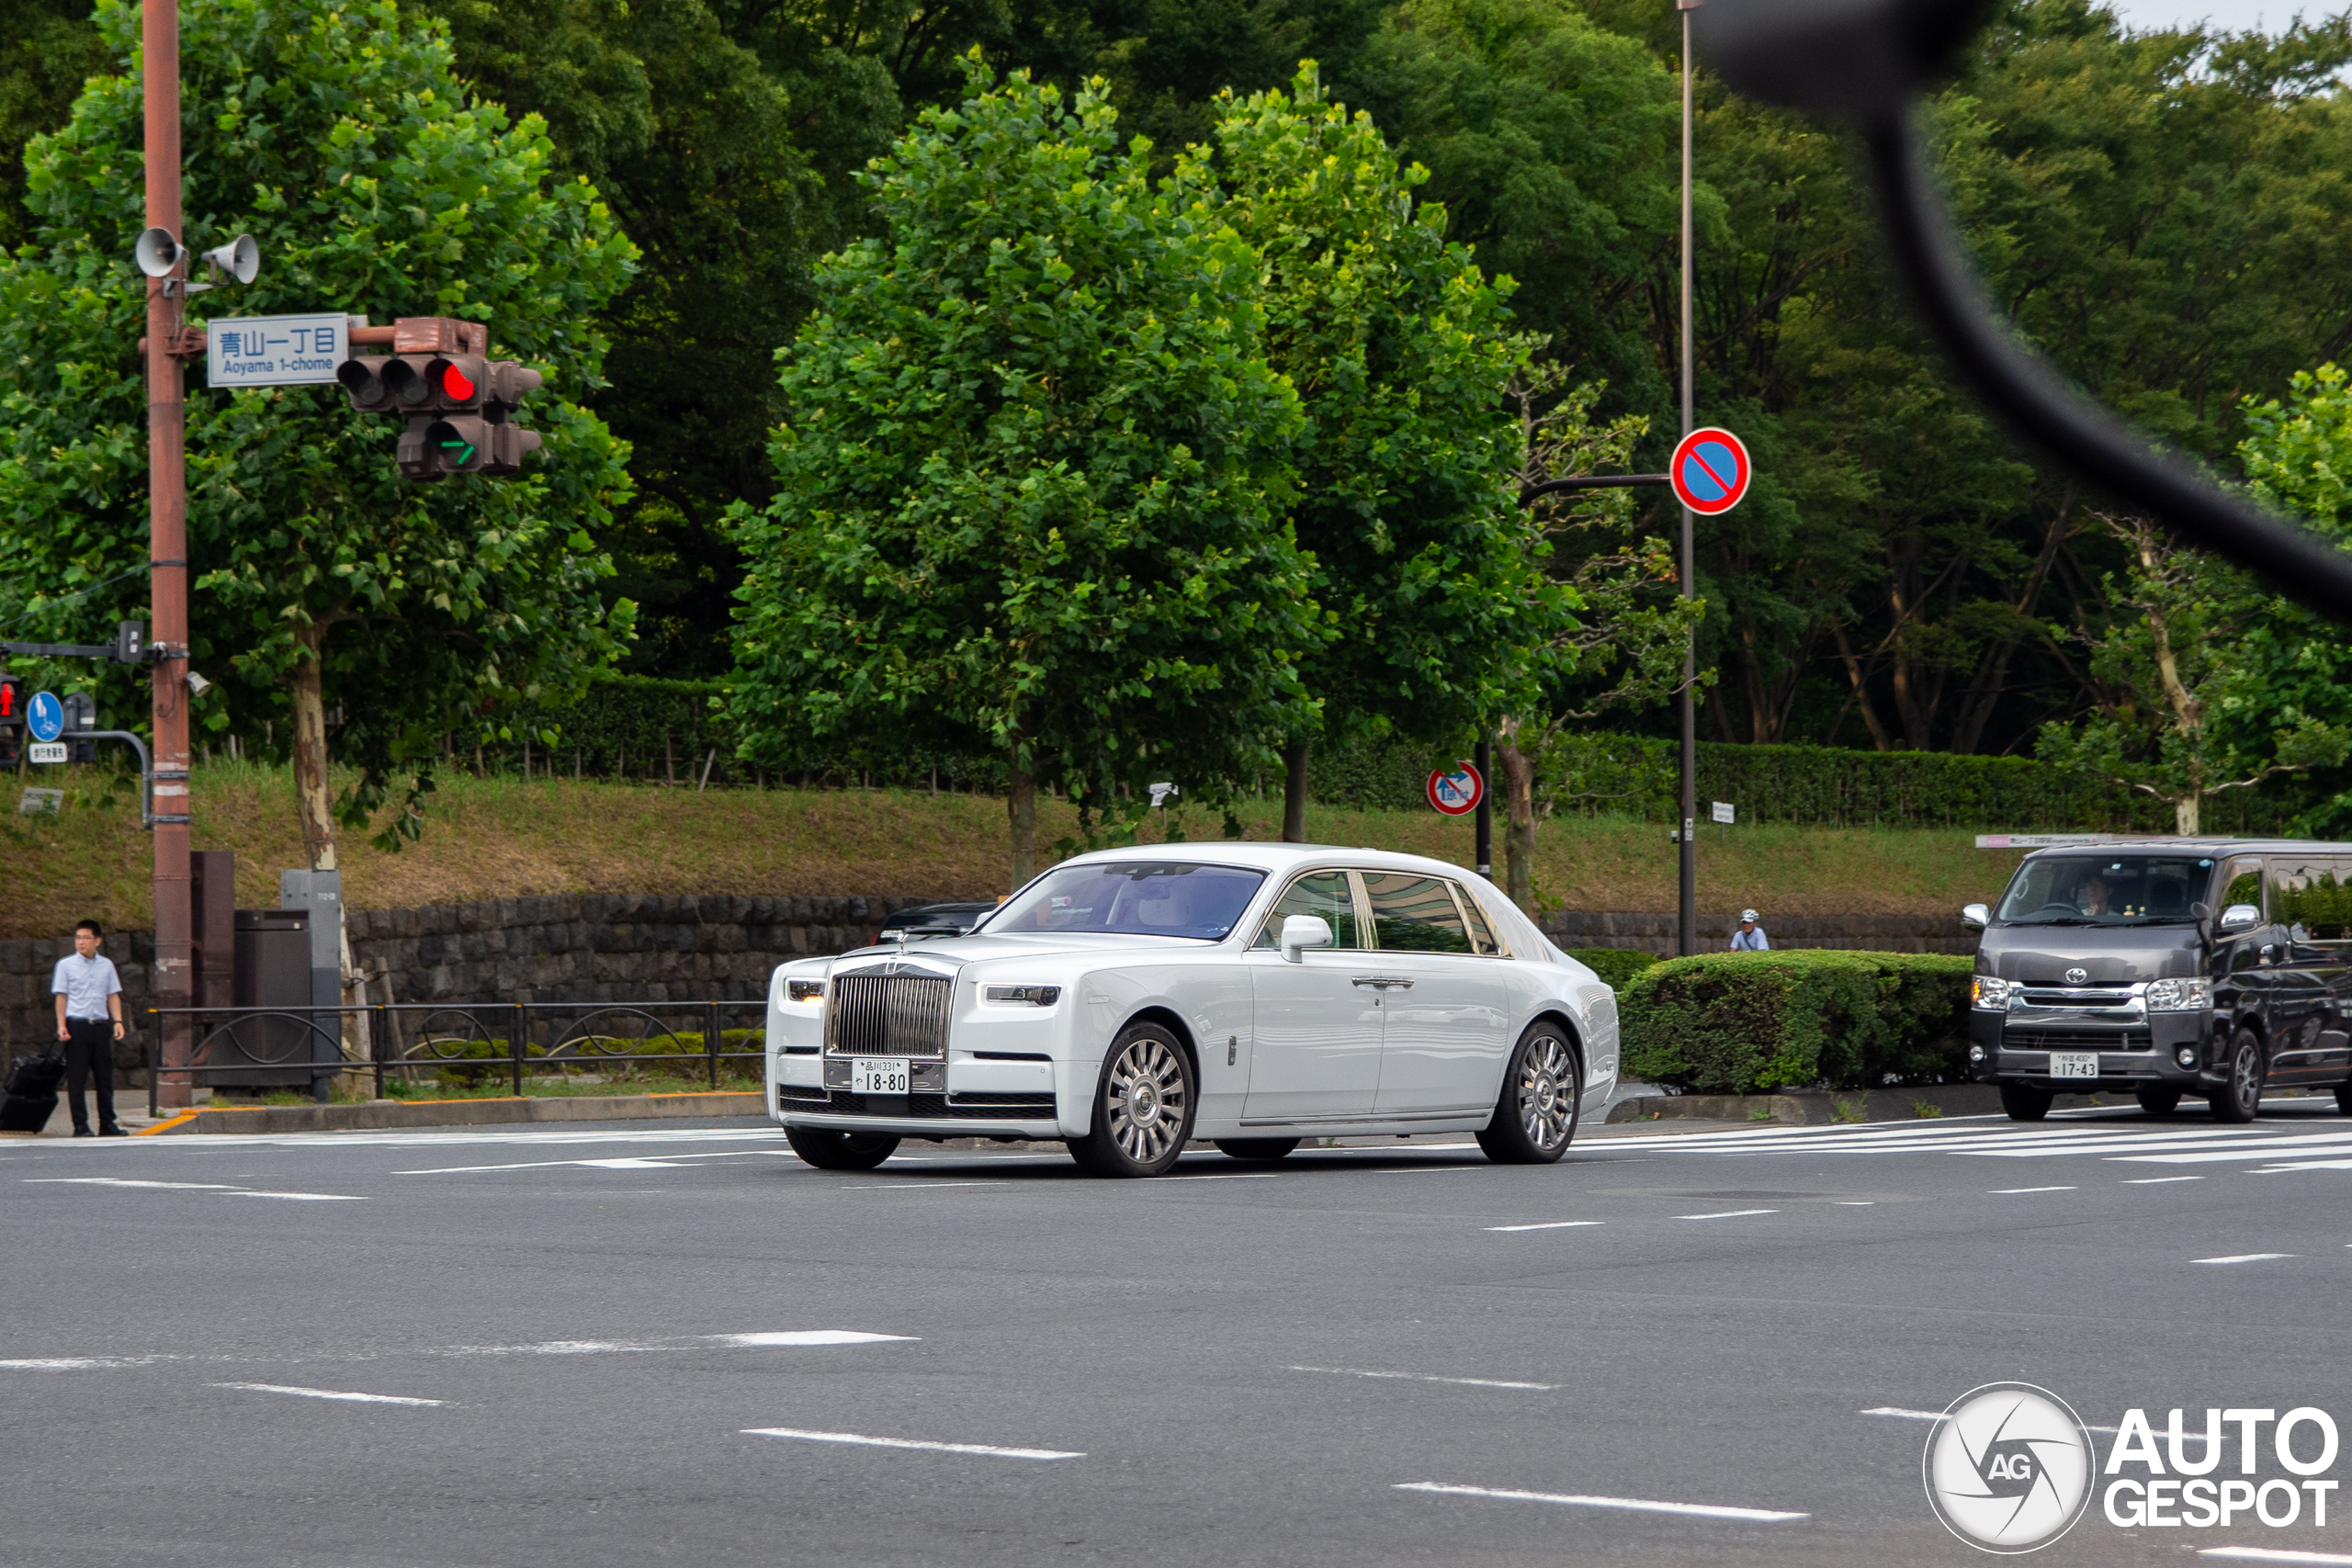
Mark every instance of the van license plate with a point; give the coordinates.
(2074, 1063)
(889, 1074)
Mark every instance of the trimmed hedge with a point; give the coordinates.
(1753, 1022)
(1615, 966)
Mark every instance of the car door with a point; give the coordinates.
(1315, 1047)
(1445, 1006)
(2308, 966)
(2242, 967)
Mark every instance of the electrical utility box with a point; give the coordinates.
(319, 893)
(272, 969)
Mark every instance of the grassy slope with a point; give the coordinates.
(491, 838)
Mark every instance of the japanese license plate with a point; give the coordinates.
(2074, 1063)
(889, 1074)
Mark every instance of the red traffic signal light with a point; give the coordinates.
(456, 402)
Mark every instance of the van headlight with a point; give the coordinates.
(2179, 995)
(1022, 996)
(805, 990)
(1989, 994)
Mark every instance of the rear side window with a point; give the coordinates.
(2314, 897)
(1414, 914)
(1482, 936)
(1324, 892)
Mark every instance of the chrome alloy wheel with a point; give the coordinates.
(1143, 1099)
(1547, 1093)
(2245, 1078)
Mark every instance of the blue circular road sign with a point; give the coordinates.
(45, 716)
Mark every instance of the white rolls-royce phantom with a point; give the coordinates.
(1251, 995)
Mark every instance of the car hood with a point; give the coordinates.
(2108, 955)
(962, 950)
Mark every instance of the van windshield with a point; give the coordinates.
(2106, 890)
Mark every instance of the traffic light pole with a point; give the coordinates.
(168, 544)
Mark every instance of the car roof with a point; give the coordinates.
(2194, 846)
(1273, 857)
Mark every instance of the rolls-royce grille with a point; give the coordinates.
(2078, 1040)
(888, 1015)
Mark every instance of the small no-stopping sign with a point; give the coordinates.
(1457, 792)
(1709, 471)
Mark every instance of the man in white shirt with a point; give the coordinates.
(88, 994)
(1751, 937)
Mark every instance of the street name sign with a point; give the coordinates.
(275, 351)
(1709, 471)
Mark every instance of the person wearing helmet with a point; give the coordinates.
(1751, 937)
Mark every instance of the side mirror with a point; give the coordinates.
(1977, 915)
(1301, 933)
(2238, 917)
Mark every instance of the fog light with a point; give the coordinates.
(1976, 1053)
(2186, 1055)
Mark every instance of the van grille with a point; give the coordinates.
(888, 1015)
(2078, 1040)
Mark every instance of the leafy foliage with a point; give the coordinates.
(338, 137)
(1029, 491)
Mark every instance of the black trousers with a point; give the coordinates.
(89, 1052)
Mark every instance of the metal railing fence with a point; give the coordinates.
(407, 1039)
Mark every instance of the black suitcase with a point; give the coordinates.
(30, 1098)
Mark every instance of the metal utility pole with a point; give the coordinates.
(1688, 942)
(1484, 824)
(167, 541)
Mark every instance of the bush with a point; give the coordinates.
(1614, 964)
(1751, 1022)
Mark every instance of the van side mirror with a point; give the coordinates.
(1977, 915)
(2239, 917)
(1301, 933)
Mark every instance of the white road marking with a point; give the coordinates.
(902, 1186)
(338, 1394)
(1227, 1175)
(2271, 1555)
(1637, 1505)
(852, 1437)
(625, 1162)
(225, 1189)
(1728, 1214)
(2155, 1181)
(2245, 1258)
(1425, 1169)
(1428, 1377)
(1899, 1412)
(1548, 1225)
(1856, 1203)
(810, 1337)
(2012, 1191)
(75, 1363)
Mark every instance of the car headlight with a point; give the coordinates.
(2179, 995)
(1018, 996)
(1988, 993)
(805, 990)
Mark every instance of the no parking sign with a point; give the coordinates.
(1710, 471)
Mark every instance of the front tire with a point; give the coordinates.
(2241, 1099)
(2343, 1098)
(1143, 1106)
(829, 1149)
(2158, 1101)
(2025, 1101)
(1256, 1148)
(1536, 1115)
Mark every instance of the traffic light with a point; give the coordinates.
(12, 720)
(458, 404)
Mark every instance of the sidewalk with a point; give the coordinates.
(129, 1109)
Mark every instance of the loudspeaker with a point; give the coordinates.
(240, 258)
(157, 253)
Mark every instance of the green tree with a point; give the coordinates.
(1395, 339)
(323, 581)
(1031, 487)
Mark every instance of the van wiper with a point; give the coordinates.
(2060, 920)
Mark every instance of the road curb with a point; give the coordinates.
(378, 1115)
(1815, 1110)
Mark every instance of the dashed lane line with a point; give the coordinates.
(1728, 1214)
(2245, 1258)
(338, 1395)
(1633, 1504)
(2013, 1191)
(1429, 1377)
(2272, 1554)
(1549, 1226)
(861, 1441)
(223, 1189)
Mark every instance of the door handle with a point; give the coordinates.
(1380, 981)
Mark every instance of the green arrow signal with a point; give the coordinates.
(465, 455)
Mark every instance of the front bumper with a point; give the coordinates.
(2141, 1053)
(960, 1097)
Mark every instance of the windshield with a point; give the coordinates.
(2106, 889)
(1134, 899)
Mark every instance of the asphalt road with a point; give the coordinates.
(649, 1344)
